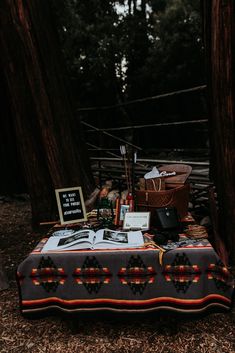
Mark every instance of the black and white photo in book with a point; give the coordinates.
(83, 235)
(88, 239)
(119, 237)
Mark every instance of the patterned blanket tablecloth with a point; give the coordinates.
(190, 278)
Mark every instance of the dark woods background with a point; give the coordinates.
(118, 51)
(123, 50)
(114, 52)
(63, 61)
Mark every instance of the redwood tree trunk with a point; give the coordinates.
(9, 157)
(50, 140)
(219, 25)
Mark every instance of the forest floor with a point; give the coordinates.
(111, 333)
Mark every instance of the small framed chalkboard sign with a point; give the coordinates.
(71, 205)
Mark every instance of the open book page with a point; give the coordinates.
(82, 239)
(88, 239)
(109, 239)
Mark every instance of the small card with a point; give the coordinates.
(136, 221)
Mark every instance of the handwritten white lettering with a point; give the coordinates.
(72, 212)
(75, 203)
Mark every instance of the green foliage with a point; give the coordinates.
(89, 35)
(176, 57)
(111, 54)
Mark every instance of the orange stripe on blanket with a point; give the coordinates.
(129, 302)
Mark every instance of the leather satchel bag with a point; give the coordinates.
(150, 200)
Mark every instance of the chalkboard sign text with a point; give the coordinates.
(71, 205)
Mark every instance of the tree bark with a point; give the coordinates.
(9, 156)
(52, 148)
(219, 32)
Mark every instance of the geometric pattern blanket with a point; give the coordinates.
(189, 279)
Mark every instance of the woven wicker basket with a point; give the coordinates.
(178, 197)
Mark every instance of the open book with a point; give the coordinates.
(88, 239)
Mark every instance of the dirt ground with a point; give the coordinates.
(111, 333)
